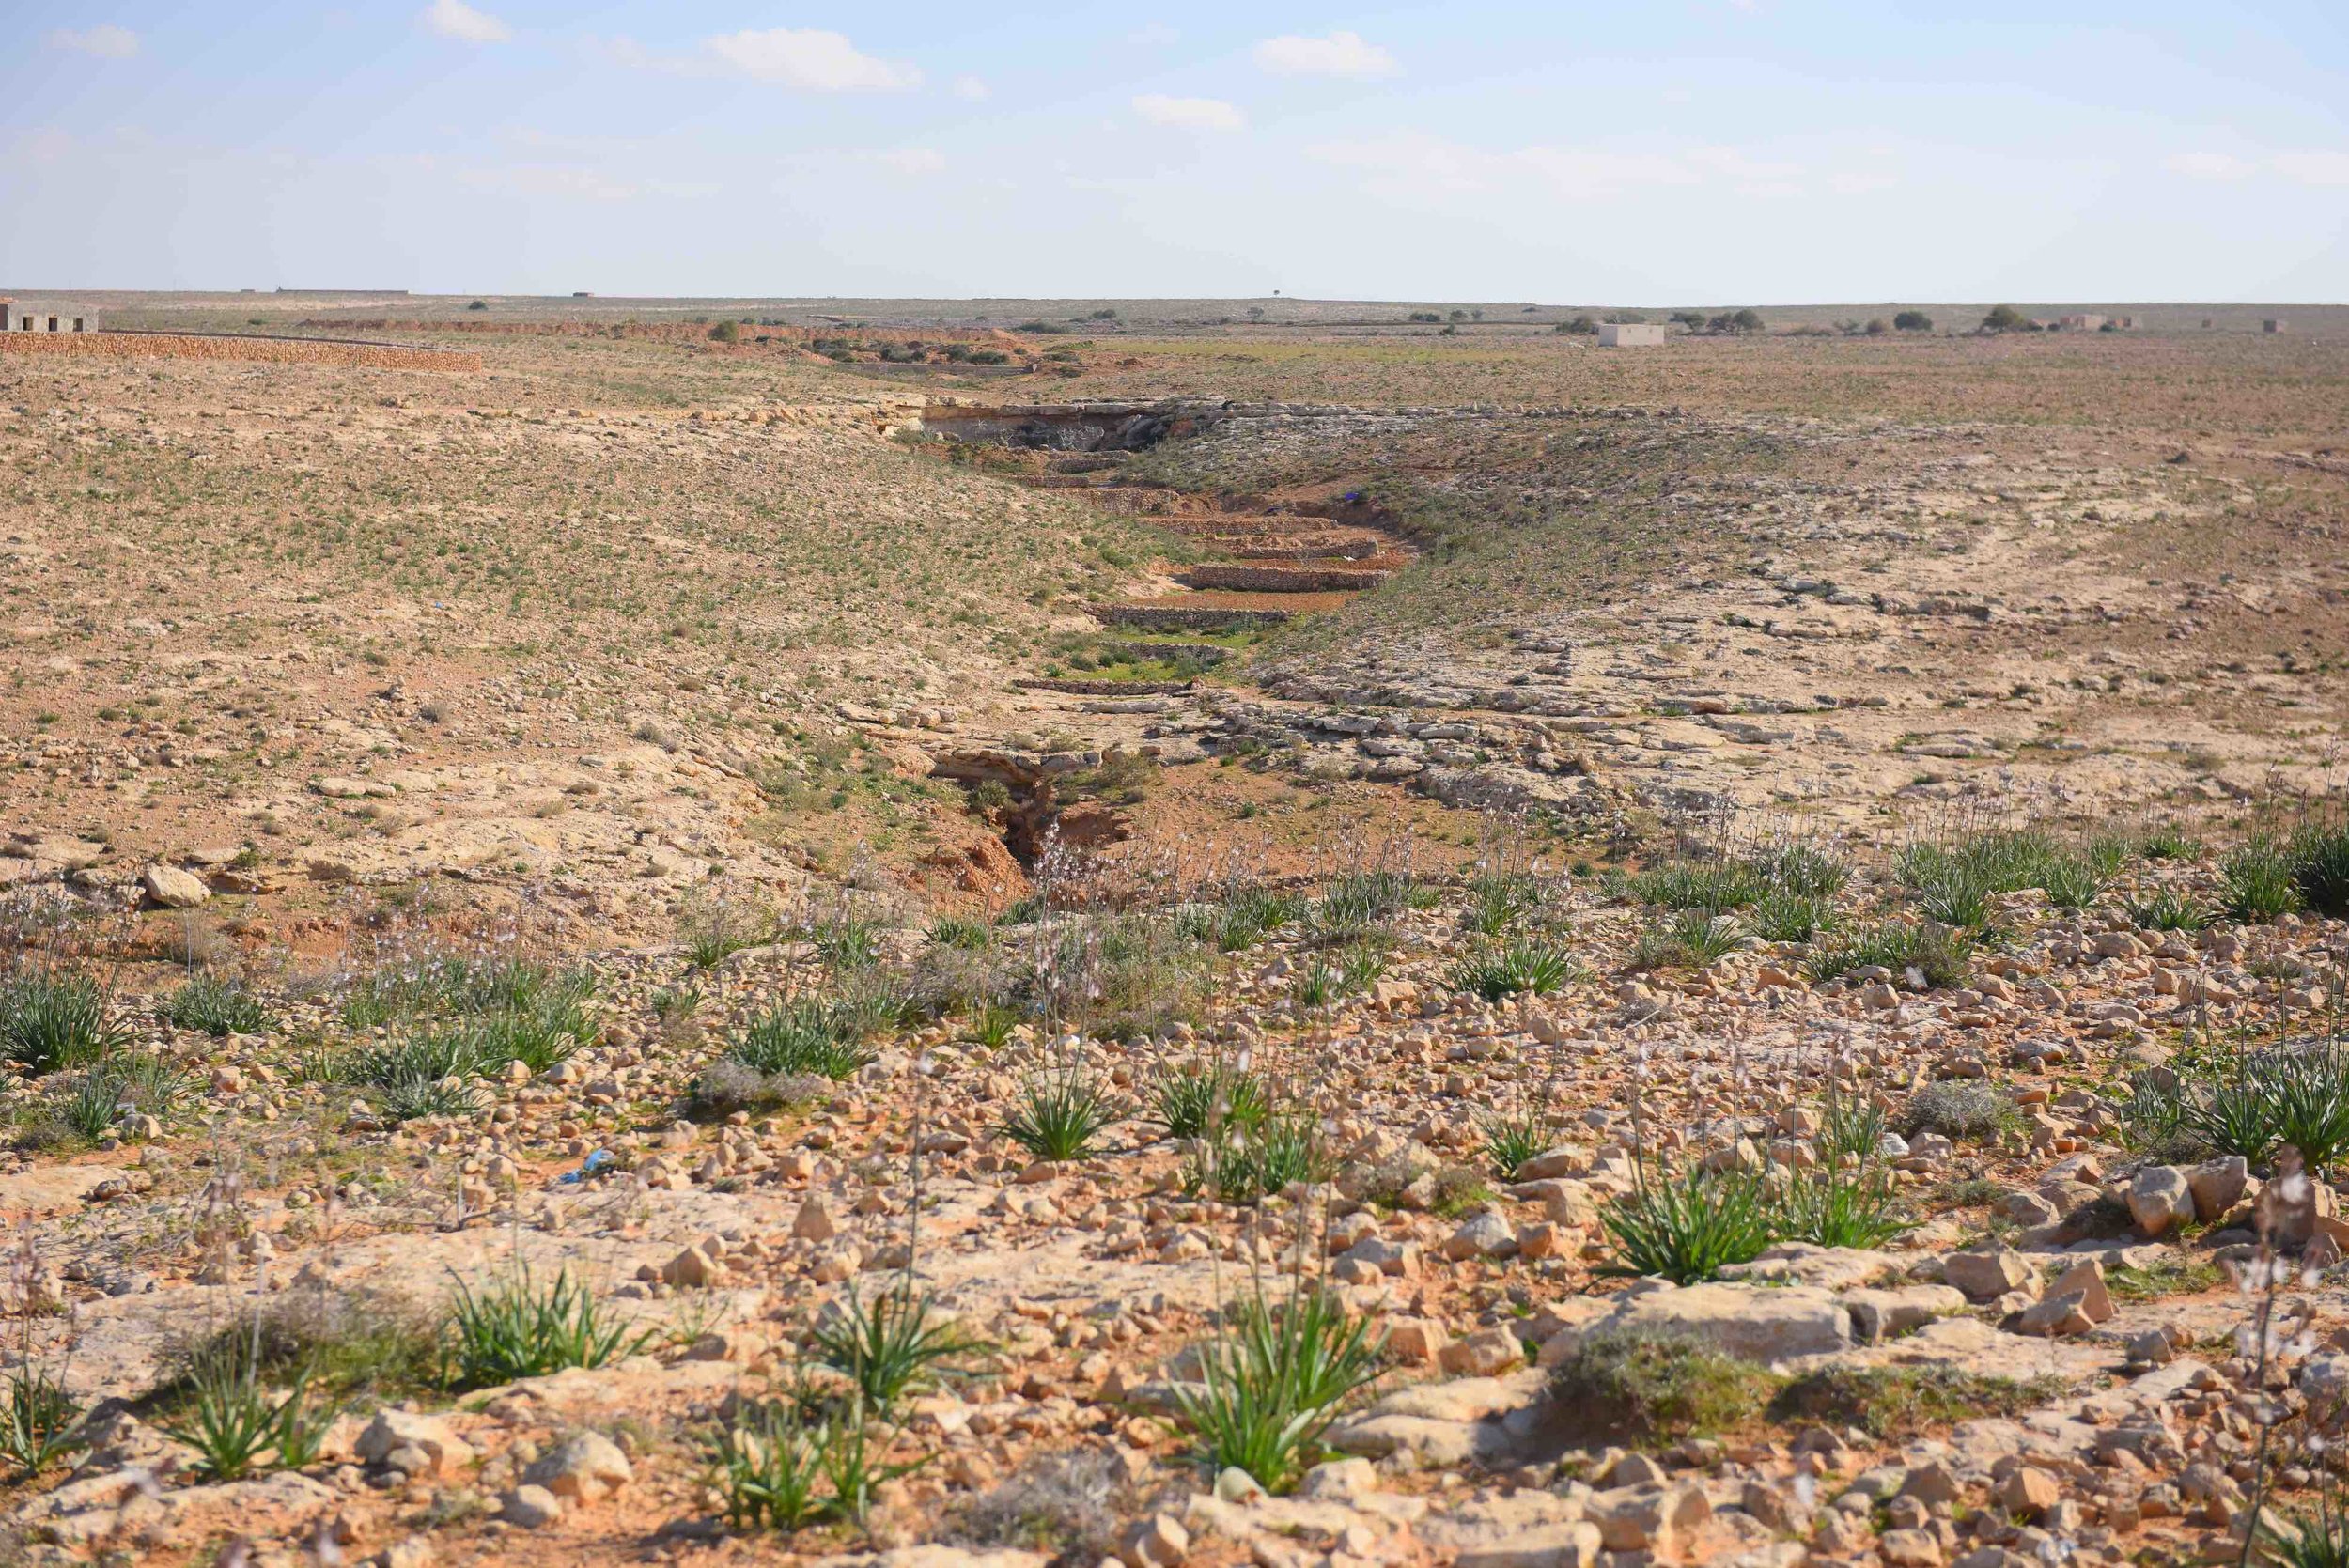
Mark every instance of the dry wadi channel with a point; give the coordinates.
(911, 981)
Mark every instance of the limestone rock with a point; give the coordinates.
(586, 1468)
(2160, 1197)
(170, 888)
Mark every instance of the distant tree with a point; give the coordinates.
(1256, 313)
(2005, 319)
(1103, 315)
(478, 304)
(1428, 315)
(1912, 321)
(1692, 320)
(1745, 322)
(1876, 327)
(1581, 324)
(724, 332)
(1622, 318)
(1459, 316)
(1478, 314)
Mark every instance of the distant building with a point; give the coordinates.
(582, 293)
(1630, 335)
(2273, 324)
(2080, 323)
(16, 318)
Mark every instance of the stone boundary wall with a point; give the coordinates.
(230, 345)
(1153, 617)
(1278, 580)
(1106, 688)
(676, 332)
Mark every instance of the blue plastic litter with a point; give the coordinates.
(594, 1165)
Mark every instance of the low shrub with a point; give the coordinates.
(1191, 1099)
(896, 1343)
(1892, 1404)
(1655, 1386)
(1960, 1109)
(1534, 968)
(804, 1036)
(2257, 881)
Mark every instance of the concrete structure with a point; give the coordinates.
(18, 317)
(2273, 324)
(2081, 323)
(1630, 335)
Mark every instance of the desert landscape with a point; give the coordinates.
(1066, 933)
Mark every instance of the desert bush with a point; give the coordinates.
(96, 1099)
(2168, 909)
(1272, 1380)
(1655, 1386)
(1067, 1504)
(234, 1424)
(1781, 916)
(726, 1086)
(1960, 1109)
(1691, 940)
(779, 1466)
(1894, 1403)
(1851, 1127)
(215, 1007)
(1714, 887)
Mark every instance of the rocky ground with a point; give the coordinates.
(611, 967)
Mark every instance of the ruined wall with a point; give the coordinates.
(285, 350)
(1278, 580)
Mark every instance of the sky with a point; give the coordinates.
(1675, 151)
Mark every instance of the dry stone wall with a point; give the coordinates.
(284, 350)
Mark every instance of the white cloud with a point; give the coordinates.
(2314, 168)
(912, 160)
(1412, 166)
(2208, 166)
(1189, 113)
(1339, 55)
(2302, 166)
(969, 88)
(105, 40)
(453, 19)
(546, 179)
(810, 59)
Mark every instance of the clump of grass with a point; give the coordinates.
(1941, 957)
(522, 1326)
(2316, 1536)
(896, 1344)
(962, 935)
(1058, 1114)
(1500, 902)
(1686, 1228)
(1656, 1386)
(1782, 916)
(2257, 881)
(234, 1424)
(102, 1096)
(1511, 1139)
(1272, 1380)
(1710, 887)
(1802, 869)
(1891, 1403)
(1692, 940)
(1853, 1128)
(800, 1037)
(2171, 1276)
(2171, 842)
(1835, 1207)
(2168, 909)
(38, 1420)
(1527, 966)
(1961, 1110)
(1247, 915)
(1191, 1097)
(1357, 902)
(779, 1468)
(49, 1020)
(1251, 1162)
(711, 930)
(2320, 866)
(216, 1008)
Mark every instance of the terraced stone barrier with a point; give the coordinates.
(236, 345)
